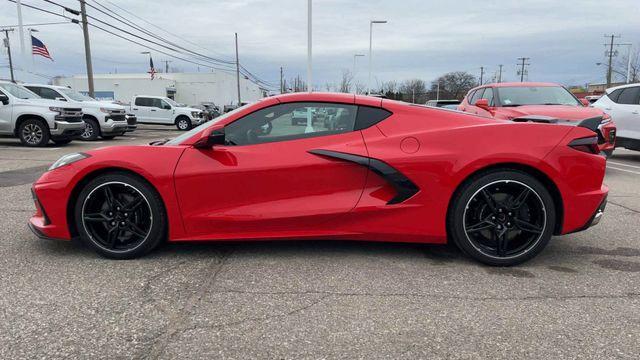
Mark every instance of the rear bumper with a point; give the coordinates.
(596, 202)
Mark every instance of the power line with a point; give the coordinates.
(523, 66)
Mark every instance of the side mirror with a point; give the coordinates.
(4, 99)
(585, 102)
(60, 99)
(166, 107)
(211, 136)
(482, 104)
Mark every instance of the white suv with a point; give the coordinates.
(35, 120)
(622, 103)
(101, 119)
(162, 110)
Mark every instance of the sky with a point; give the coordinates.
(422, 39)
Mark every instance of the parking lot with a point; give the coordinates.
(316, 299)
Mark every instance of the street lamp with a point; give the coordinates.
(371, 22)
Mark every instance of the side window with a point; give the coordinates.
(36, 90)
(290, 122)
(477, 95)
(369, 116)
(140, 101)
(488, 94)
(157, 103)
(164, 104)
(629, 96)
(470, 96)
(614, 95)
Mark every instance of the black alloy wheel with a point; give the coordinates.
(34, 132)
(503, 218)
(120, 216)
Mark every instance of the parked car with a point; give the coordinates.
(101, 119)
(164, 111)
(36, 121)
(210, 110)
(623, 104)
(393, 172)
(443, 103)
(539, 102)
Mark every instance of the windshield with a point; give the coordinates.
(19, 91)
(535, 95)
(171, 102)
(195, 130)
(74, 95)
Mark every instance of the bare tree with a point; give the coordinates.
(620, 67)
(453, 85)
(390, 90)
(414, 91)
(345, 83)
(360, 88)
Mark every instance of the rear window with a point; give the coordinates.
(629, 96)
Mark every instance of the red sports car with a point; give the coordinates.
(530, 101)
(372, 169)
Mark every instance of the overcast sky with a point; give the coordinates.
(423, 39)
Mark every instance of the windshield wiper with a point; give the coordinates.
(552, 104)
(511, 105)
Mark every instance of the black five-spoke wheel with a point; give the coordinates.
(503, 218)
(120, 216)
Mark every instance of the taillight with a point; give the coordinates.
(588, 145)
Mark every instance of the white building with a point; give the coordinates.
(187, 88)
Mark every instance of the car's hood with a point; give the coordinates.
(48, 103)
(563, 112)
(100, 104)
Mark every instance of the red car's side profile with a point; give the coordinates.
(361, 168)
(539, 101)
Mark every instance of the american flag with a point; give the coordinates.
(38, 48)
(152, 70)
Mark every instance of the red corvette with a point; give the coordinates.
(360, 168)
(527, 101)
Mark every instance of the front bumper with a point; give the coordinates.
(114, 127)
(41, 225)
(67, 129)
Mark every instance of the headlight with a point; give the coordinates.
(55, 109)
(195, 114)
(68, 159)
(105, 110)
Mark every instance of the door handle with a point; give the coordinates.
(135, 108)
(635, 112)
(607, 108)
(153, 109)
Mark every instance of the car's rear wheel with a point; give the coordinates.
(120, 216)
(502, 218)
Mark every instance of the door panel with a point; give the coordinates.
(269, 188)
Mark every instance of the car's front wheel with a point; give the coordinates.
(91, 130)
(183, 123)
(120, 216)
(33, 132)
(502, 218)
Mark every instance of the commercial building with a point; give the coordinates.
(187, 88)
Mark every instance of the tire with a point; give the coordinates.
(91, 130)
(108, 137)
(507, 202)
(34, 133)
(183, 123)
(608, 153)
(127, 224)
(62, 141)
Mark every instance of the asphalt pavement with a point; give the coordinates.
(580, 298)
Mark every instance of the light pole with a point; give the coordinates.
(628, 61)
(371, 22)
(309, 68)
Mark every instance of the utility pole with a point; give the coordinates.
(610, 53)
(237, 69)
(523, 64)
(481, 74)
(500, 73)
(87, 47)
(166, 66)
(8, 45)
(281, 83)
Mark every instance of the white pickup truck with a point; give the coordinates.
(164, 111)
(101, 119)
(35, 120)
